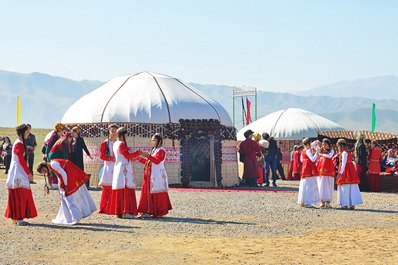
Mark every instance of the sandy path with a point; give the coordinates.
(210, 228)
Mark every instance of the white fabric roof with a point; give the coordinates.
(290, 124)
(145, 97)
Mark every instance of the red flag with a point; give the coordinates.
(248, 118)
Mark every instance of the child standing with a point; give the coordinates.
(308, 190)
(326, 174)
(347, 179)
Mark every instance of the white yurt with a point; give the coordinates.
(199, 138)
(290, 124)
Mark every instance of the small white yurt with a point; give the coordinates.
(199, 138)
(290, 124)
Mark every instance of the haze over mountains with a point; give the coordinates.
(45, 98)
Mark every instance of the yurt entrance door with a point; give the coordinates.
(200, 159)
(198, 162)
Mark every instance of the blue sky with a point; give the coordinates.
(274, 45)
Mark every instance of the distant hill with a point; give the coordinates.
(45, 98)
(381, 87)
(344, 111)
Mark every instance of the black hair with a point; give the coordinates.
(265, 136)
(159, 138)
(121, 132)
(21, 129)
(41, 166)
(327, 141)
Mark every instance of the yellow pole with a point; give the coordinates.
(19, 111)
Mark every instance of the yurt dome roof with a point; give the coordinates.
(145, 97)
(290, 124)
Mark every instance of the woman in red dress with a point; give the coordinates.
(347, 179)
(326, 174)
(154, 200)
(20, 203)
(374, 167)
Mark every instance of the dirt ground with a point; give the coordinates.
(198, 232)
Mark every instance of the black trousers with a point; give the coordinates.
(279, 168)
(31, 160)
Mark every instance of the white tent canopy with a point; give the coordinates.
(147, 98)
(290, 124)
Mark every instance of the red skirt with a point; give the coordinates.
(290, 174)
(374, 182)
(20, 204)
(156, 204)
(123, 201)
(105, 202)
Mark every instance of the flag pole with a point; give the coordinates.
(19, 111)
(373, 117)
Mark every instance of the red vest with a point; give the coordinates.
(308, 168)
(76, 177)
(325, 167)
(350, 175)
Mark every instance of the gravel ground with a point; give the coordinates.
(201, 224)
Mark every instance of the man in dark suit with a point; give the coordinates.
(30, 147)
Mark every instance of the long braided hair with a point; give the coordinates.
(21, 129)
(121, 132)
(110, 127)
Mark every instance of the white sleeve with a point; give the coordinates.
(330, 155)
(311, 156)
(301, 158)
(57, 167)
(344, 156)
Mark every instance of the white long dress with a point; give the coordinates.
(74, 207)
(347, 194)
(308, 188)
(326, 183)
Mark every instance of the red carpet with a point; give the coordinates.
(230, 190)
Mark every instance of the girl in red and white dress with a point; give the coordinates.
(76, 201)
(347, 179)
(20, 204)
(123, 202)
(326, 174)
(308, 190)
(107, 155)
(154, 200)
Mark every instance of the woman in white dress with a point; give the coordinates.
(76, 201)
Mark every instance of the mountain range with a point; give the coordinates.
(44, 99)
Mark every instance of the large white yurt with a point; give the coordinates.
(199, 138)
(290, 124)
